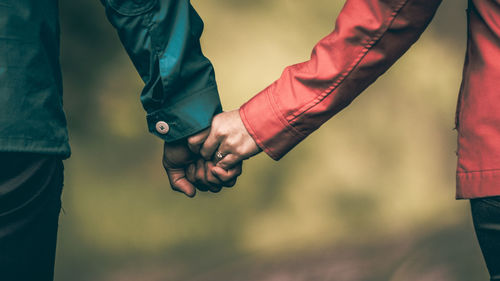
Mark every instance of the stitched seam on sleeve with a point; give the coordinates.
(478, 171)
(281, 118)
(183, 99)
(366, 48)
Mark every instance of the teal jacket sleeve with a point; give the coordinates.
(162, 38)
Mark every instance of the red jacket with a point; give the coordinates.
(370, 35)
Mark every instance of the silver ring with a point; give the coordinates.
(218, 156)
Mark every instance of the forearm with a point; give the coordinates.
(162, 40)
(370, 35)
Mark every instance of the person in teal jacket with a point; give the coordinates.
(180, 98)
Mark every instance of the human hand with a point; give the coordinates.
(202, 176)
(187, 171)
(201, 171)
(176, 158)
(229, 142)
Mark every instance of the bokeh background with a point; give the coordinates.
(368, 197)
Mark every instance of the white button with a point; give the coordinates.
(162, 127)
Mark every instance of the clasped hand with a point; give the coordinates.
(211, 159)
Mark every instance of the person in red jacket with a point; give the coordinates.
(370, 35)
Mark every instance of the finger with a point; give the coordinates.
(190, 173)
(209, 176)
(230, 183)
(176, 154)
(215, 185)
(179, 182)
(199, 176)
(205, 178)
(228, 177)
(215, 189)
(229, 161)
(195, 141)
(210, 145)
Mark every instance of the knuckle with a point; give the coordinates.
(192, 140)
(239, 150)
(201, 187)
(215, 189)
(223, 165)
(217, 118)
(199, 178)
(203, 152)
(195, 140)
(215, 123)
(231, 183)
(217, 131)
(174, 187)
(231, 142)
(213, 180)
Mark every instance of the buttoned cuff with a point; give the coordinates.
(185, 117)
(267, 125)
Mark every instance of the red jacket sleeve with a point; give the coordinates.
(370, 35)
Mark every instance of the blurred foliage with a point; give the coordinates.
(369, 196)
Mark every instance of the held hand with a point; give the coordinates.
(229, 142)
(177, 158)
(202, 175)
(201, 172)
(187, 171)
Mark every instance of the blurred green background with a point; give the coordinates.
(370, 196)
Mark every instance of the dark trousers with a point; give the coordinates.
(486, 217)
(30, 201)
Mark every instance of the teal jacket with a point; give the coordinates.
(162, 39)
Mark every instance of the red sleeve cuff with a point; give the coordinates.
(268, 127)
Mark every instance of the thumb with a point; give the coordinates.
(179, 182)
(195, 141)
